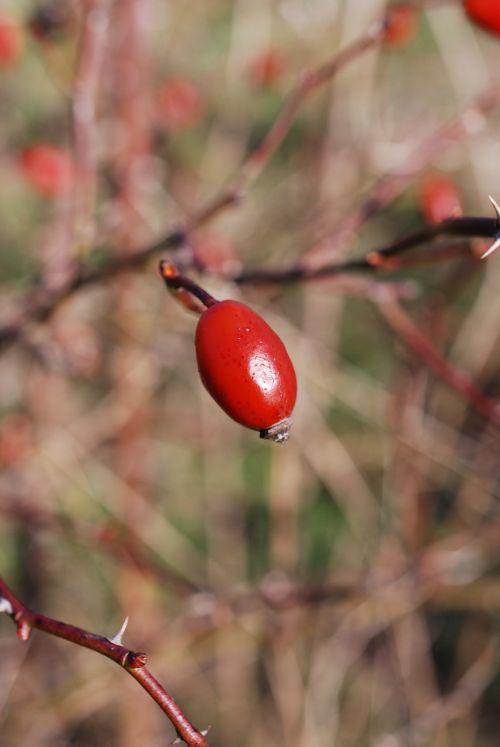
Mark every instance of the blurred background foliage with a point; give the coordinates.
(342, 589)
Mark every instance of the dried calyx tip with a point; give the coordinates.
(167, 269)
(278, 433)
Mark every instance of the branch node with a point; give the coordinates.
(23, 629)
(136, 661)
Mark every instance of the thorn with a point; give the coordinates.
(496, 243)
(119, 636)
(5, 606)
(177, 740)
(205, 731)
(496, 206)
(492, 248)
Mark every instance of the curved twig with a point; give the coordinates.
(133, 662)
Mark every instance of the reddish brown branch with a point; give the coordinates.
(390, 185)
(386, 258)
(41, 303)
(305, 86)
(416, 340)
(134, 663)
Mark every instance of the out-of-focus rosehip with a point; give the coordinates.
(180, 104)
(267, 68)
(11, 41)
(47, 168)
(485, 13)
(15, 439)
(216, 253)
(439, 198)
(246, 368)
(400, 25)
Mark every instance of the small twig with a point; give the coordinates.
(305, 86)
(133, 663)
(385, 258)
(182, 285)
(390, 185)
(88, 73)
(417, 341)
(41, 303)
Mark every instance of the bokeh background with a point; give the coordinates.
(342, 589)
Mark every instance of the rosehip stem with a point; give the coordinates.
(175, 281)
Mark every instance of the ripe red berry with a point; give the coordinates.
(180, 104)
(267, 68)
(246, 368)
(485, 13)
(48, 169)
(400, 25)
(11, 42)
(440, 199)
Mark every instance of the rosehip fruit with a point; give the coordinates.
(267, 68)
(400, 25)
(245, 367)
(180, 104)
(11, 42)
(485, 13)
(440, 199)
(47, 168)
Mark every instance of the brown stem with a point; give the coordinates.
(177, 282)
(133, 662)
(417, 341)
(305, 86)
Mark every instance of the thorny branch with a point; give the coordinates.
(133, 663)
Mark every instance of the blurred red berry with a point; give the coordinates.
(216, 253)
(15, 439)
(439, 198)
(267, 68)
(400, 25)
(47, 168)
(11, 42)
(485, 13)
(180, 104)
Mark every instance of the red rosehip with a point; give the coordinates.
(48, 169)
(246, 368)
(485, 13)
(180, 104)
(11, 42)
(400, 25)
(440, 199)
(267, 68)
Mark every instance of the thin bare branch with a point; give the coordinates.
(133, 662)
